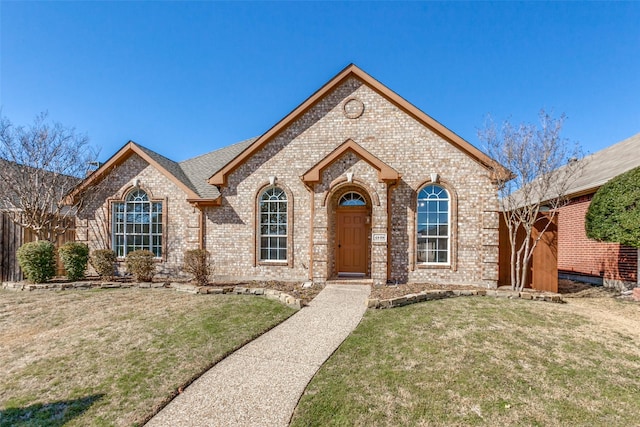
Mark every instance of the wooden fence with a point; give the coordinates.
(13, 236)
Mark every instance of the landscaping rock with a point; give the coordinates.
(80, 285)
(373, 303)
(636, 294)
(526, 295)
(185, 287)
(398, 302)
(507, 294)
(109, 285)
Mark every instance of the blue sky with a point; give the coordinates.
(185, 78)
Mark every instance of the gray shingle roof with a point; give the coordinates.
(195, 172)
(199, 169)
(172, 167)
(606, 164)
(594, 171)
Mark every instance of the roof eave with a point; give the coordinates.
(119, 158)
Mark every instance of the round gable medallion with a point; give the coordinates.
(353, 108)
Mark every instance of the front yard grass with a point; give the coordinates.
(483, 361)
(111, 357)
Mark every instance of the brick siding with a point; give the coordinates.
(386, 131)
(616, 264)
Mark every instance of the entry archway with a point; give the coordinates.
(352, 233)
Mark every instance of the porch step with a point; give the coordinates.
(350, 281)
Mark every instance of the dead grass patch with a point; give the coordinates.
(110, 357)
(483, 361)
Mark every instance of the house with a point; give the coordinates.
(583, 259)
(355, 182)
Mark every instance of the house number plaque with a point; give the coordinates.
(379, 238)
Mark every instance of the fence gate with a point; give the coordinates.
(11, 238)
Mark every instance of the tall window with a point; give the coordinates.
(137, 224)
(273, 225)
(433, 225)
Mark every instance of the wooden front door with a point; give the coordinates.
(352, 240)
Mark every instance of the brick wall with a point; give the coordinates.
(615, 263)
(395, 138)
(230, 230)
(181, 220)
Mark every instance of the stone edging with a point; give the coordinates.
(429, 295)
(271, 294)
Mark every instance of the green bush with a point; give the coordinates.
(37, 260)
(196, 262)
(103, 262)
(74, 257)
(141, 264)
(614, 212)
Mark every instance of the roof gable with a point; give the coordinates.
(220, 177)
(385, 172)
(167, 167)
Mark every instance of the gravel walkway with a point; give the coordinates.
(260, 384)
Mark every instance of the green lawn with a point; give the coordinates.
(482, 361)
(110, 357)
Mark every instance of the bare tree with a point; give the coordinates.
(39, 165)
(543, 166)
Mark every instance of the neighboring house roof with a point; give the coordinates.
(606, 164)
(593, 171)
(9, 198)
(220, 178)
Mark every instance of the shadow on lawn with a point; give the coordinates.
(54, 414)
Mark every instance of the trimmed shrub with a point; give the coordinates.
(196, 262)
(141, 264)
(103, 262)
(614, 212)
(74, 257)
(37, 260)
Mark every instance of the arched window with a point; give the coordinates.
(352, 199)
(137, 224)
(273, 225)
(433, 225)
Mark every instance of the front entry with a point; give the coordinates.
(352, 241)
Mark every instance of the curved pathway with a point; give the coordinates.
(260, 384)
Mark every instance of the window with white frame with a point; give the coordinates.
(433, 225)
(273, 225)
(137, 224)
(352, 199)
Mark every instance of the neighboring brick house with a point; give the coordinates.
(355, 182)
(583, 259)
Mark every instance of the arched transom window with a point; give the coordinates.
(137, 224)
(273, 225)
(433, 225)
(352, 199)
